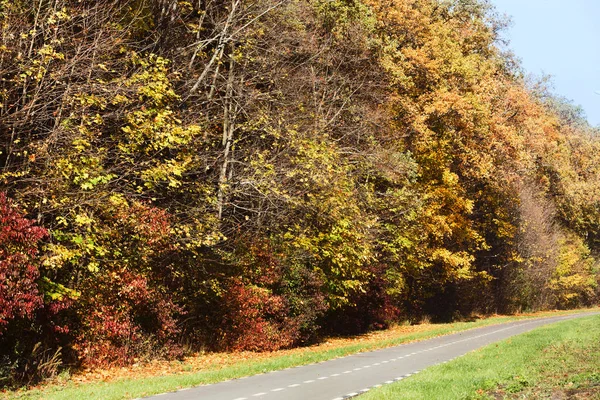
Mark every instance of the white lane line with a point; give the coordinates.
(258, 394)
(411, 354)
(309, 381)
(383, 362)
(323, 377)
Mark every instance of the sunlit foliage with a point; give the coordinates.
(255, 175)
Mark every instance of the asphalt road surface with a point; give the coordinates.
(349, 376)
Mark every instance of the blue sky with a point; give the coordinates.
(560, 38)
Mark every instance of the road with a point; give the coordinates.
(349, 376)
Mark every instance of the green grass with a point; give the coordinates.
(557, 361)
(132, 388)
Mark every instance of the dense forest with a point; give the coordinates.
(259, 174)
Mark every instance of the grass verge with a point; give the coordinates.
(558, 361)
(160, 377)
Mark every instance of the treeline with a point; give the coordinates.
(239, 175)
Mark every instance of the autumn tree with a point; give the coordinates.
(255, 175)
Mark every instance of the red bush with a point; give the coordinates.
(128, 319)
(126, 311)
(273, 306)
(256, 319)
(19, 237)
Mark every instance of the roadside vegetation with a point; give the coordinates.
(180, 176)
(559, 361)
(162, 376)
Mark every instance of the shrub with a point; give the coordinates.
(19, 273)
(125, 311)
(29, 330)
(277, 305)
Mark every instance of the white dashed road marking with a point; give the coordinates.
(381, 363)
